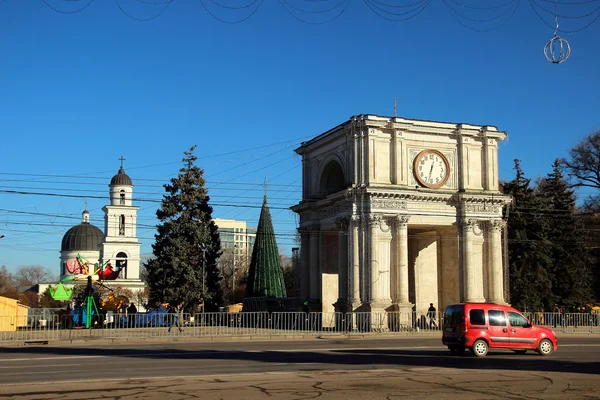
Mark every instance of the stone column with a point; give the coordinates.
(374, 222)
(401, 235)
(473, 271)
(315, 271)
(496, 275)
(354, 295)
(342, 265)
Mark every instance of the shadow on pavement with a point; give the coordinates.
(393, 358)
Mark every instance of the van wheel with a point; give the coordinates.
(520, 351)
(480, 348)
(545, 347)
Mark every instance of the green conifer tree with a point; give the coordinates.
(187, 243)
(570, 269)
(529, 254)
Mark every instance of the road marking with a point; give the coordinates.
(50, 358)
(39, 366)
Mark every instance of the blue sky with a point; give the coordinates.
(79, 91)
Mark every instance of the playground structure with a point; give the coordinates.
(82, 271)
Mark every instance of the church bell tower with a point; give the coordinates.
(121, 246)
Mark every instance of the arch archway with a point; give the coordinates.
(332, 178)
(121, 263)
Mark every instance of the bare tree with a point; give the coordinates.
(584, 162)
(231, 262)
(32, 275)
(7, 281)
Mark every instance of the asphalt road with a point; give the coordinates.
(374, 366)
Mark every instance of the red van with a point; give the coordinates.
(482, 326)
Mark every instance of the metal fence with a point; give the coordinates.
(39, 326)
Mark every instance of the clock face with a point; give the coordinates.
(431, 169)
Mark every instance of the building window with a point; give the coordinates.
(121, 263)
(122, 197)
(122, 225)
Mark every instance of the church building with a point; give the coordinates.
(117, 247)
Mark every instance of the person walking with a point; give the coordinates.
(173, 312)
(432, 314)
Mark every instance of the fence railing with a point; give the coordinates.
(44, 327)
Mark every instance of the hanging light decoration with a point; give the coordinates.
(557, 49)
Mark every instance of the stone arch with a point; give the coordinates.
(121, 259)
(332, 178)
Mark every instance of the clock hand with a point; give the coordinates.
(430, 171)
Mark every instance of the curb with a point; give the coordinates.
(216, 339)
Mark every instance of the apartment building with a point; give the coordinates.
(237, 234)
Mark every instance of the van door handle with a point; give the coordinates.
(513, 330)
(504, 330)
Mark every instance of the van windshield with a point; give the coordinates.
(453, 317)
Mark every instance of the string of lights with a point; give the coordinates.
(507, 11)
(329, 10)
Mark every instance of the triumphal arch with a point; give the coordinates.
(400, 213)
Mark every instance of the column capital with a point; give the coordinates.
(355, 218)
(401, 220)
(496, 224)
(472, 225)
(342, 223)
(374, 219)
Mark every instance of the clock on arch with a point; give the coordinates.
(431, 169)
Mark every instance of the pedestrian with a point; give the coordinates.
(131, 311)
(555, 314)
(173, 313)
(432, 314)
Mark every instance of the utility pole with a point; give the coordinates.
(203, 249)
(233, 276)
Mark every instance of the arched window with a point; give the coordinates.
(121, 264)
(122, 225)
(122, 197)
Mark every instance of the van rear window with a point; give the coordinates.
(477, 317)
(454, 315)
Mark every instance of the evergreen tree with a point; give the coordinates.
(187, 243)
(570, 270)
(265, 277)
(529, 254)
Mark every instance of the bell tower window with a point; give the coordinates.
(122, 225)
(122, 197)
(121, 264)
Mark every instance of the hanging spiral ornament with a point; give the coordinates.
(557, 50)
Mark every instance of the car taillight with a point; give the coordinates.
(464, 322)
